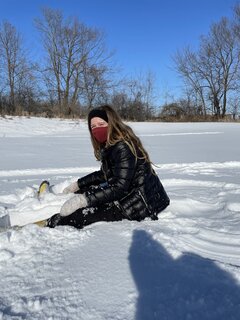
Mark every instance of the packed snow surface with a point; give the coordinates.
(184, 266)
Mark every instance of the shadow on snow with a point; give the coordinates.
(189, 287)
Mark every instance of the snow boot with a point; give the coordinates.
(44, 187)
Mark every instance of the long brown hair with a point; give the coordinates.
(119, 131)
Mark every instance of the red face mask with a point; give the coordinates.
(100, 134)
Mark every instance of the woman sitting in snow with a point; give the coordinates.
(126, 186)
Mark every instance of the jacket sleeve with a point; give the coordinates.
(123, 164)
(94, 178)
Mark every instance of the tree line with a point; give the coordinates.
(211, 74)
(77, 73)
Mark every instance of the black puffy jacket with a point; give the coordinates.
(127, 182)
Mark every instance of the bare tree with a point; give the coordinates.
(141, 93)
(236, 29)
(236, 21)
(187, 66)
(212, 71)
(95, 85)
(17, 72)
(149, 93)
(10, 42)
(224, 43)
(234, 106)
(75, 56)
(120, 102)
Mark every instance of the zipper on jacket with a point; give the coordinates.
(117, 204)
(152, 216)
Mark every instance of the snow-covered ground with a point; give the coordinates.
(185, 266)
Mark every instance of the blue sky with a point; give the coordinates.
(145, 34)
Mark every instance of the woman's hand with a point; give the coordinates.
(73, 187)
(77, 202)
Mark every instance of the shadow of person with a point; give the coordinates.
(189, 287)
